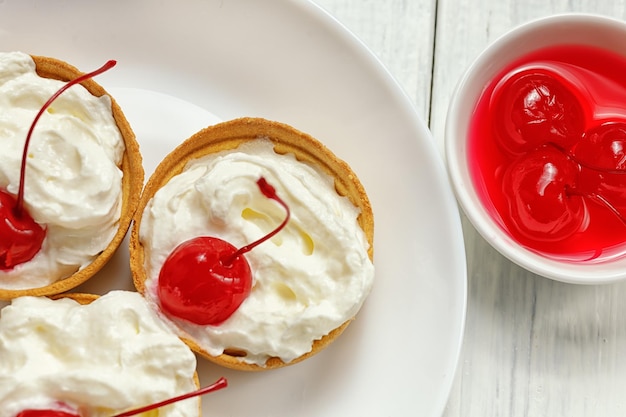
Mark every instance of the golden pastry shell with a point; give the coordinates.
(132, 182)
(229, 135)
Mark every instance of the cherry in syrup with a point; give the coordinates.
(540, 189)
(552, 129)
(21, 236)
(534, 106)
(205, 279)
(602, 155)
(603, 148)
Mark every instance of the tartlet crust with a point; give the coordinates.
(132, 182)
(229, 135)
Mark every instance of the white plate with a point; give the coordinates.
(183, 65)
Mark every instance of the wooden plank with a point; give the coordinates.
(400, 33)
(533, 347)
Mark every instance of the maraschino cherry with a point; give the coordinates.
(557, 164)
(603, 148)
(602, 154)
(21, 236)
(540, 190)
(65, 411)
(205, 279)
(533, 106)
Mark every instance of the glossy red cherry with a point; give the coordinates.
(20, 236)
(543, 203)
(602, 154)
(195, 285)
(47, 413)
(532, 107)
(205, 279)
(603, 147)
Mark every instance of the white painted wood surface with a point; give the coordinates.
(532, 347)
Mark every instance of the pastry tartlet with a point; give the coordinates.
(286, 141)
(87, 298)
(131, 186)
(101, 355)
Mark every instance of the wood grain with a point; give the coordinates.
(532, 347)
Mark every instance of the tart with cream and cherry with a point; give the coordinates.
(82, 355)
(255, 243)
(70, 175)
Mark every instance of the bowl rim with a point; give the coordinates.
(597, 272)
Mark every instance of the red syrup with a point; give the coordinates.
(205, 279)
(547, 152)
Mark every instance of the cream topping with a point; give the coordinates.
(308, 280)
(73, 180)
(109, 356)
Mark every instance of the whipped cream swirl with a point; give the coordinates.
(106, 357)
(307, 280)
(73, 180)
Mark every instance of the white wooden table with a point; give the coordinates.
(532, 347)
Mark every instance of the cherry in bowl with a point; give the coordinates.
(547, 190)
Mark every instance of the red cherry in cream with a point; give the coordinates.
(64, 410)
(46, 413)
(205, 279)
(20, 236)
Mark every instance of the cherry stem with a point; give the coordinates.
(583, 164)
(19, 206)
(598, 198)
(270, 192)
(219, 384)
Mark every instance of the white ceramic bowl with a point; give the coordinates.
(581, 29)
